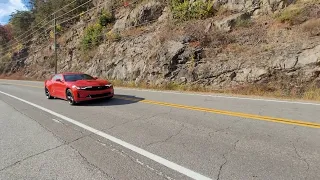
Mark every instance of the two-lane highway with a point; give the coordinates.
(143, 134)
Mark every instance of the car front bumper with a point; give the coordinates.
(86, 95)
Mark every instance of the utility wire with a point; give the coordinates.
(97, 7)
(25, 38)
(73, 9)
(46, 19)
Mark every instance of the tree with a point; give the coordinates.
(21, 22)
(5, 37)
(43, 9)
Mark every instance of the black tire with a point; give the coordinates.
(47, 93)
(70, 98)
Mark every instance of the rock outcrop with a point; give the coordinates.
(162, 53)
(256, 6)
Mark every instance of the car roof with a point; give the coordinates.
(70, 73)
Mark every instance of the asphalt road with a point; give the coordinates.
(144, 134)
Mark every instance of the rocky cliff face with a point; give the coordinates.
(235, 48)
(256, 6)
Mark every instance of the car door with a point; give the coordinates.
(59, 86)
(52, 87)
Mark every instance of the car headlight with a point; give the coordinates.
(77, 87)
(109, 85)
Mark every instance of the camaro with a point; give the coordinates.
(77, 87)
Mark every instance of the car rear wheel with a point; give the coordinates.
(47, 92)
(70, 97)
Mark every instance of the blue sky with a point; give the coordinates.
(9, 6)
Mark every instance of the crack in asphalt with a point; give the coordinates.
(126, 122)
(211, 134)
(116, 125)
(133, 159)
(63, 141)
(226, 160)
(61, 121)
(88, 135)
(37, 154)
(221, 166)
(167, 139)
(302, 159)
(139, 118)
(91, 164)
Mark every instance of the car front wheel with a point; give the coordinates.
(70, 97)
(47, 92)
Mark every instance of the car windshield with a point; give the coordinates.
(76, 77)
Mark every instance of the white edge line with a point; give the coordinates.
(138, 150)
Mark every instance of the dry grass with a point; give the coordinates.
(312, 27)
(299, 12)
(133, 32)
(311, 93)
(170, 32)
(18, 76)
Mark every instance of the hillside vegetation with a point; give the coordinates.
(250, 47)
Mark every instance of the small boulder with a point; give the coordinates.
(228, 23)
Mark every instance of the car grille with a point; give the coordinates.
(99, 95)
(97, 88)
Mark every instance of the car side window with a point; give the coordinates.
(54, 78)
(59, 77)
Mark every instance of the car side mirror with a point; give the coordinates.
(95, 77)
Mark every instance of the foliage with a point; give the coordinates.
(21, 22)
(44, 9)
(58, 31)
(105, 18)
(92, 36)
(288, 15)
(243, 23)
(113, 36)
(5, 36)
(186, 10)
(299, 12)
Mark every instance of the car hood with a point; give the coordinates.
(89, 83)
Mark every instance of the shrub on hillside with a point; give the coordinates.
(312, 27)
(105, 18)
(299, 12)
(113, 36)
(186, 10)
(92, 36)
(289, 15)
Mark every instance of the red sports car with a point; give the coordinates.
(77, 87)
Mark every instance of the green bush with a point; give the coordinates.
(105, 18)
(184, 10)
(290, 15)
(92, 36)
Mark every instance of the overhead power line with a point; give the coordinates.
(69, 19)
(46, 19)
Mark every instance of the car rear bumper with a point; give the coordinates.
(83, 95)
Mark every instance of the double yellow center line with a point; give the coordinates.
(228, 113)
(214, 111)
